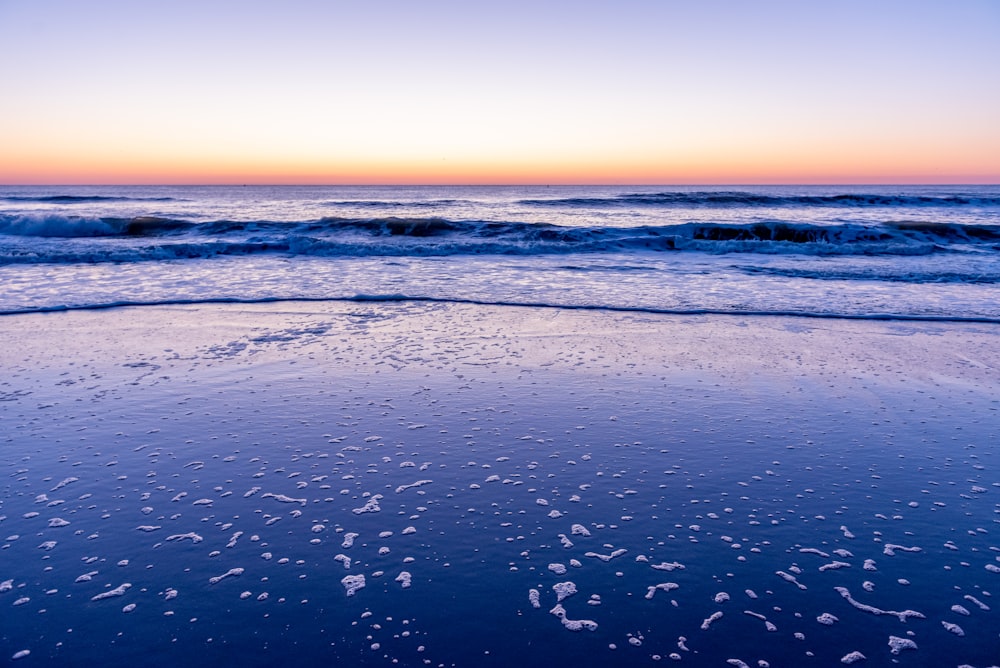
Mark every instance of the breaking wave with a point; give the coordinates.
(94, 239)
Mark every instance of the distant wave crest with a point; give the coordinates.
(709, 199)
(81, 199)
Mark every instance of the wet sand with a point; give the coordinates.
(444, 484)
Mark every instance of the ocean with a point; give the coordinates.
(928, 252)
(488, 427)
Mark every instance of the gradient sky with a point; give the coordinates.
(380, 91)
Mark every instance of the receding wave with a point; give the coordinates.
(73, 199)
(153, 238)
(388, 298)
(880, 274)
(709, 199)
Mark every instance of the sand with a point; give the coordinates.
(447, 455)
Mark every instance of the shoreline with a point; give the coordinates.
(391, 299)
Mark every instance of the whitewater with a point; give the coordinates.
(883, 252)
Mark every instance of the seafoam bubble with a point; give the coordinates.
(412, 485)
(876, 611)
(827, 618)
(349, 540)
(62, 483)
(813, 550)
(232, 572)
(21, 654)
(606, 557)
(371, 506)
(533, 598)
(977, 602)
(579, 530)
(890, 549)
(714, 617)
(853, 657)
(353, 583)
(563, 590)
(897, 644)
(111, 593)
(572, 624)
(57, 522)
(404, 578)
(192, 536)
(558, 569)
(790, 578)
(953, 628)
(663, 586)
(283, 499)
(668, 566)
(834, 565)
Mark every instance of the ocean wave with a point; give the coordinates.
(398, 297)
(81, 199)
(393, 204)
(89, 239)
(69, 227)
(709, 199)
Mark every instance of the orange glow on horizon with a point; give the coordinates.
(134, 170)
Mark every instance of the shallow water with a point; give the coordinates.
(261, 438)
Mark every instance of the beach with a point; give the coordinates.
(427, 483)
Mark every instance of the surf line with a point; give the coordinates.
(392, 298)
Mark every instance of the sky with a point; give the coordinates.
(439, 92)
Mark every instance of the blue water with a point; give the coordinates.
(218, 460)
(855, 251)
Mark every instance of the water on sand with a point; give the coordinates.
(432, 484)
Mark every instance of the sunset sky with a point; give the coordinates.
(632, 91)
